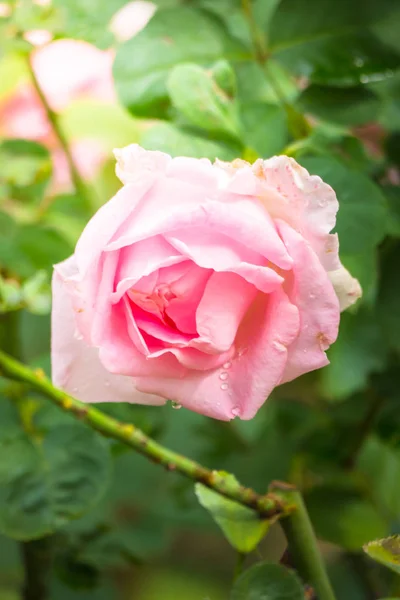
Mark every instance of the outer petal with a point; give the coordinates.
(305, 202)
(105, 223)
(76, 368)
(310, 289)
(133, 162)
(347, 288)
(242, 384)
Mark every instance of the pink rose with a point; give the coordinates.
(204, 284)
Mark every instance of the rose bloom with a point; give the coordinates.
(206, 284)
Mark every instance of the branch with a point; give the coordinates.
(284, 501)
(267, 506)
(297, 123)
(53, 119)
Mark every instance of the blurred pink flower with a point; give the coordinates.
(68, 71)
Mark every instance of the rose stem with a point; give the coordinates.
(298, 125)
(79, 184)
(36, 554)
(302, 541)
(282, 502)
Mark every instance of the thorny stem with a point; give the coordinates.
(283, 501)
(79, 185)
(302, 542)
(267, 506)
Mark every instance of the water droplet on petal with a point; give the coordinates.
(278, 346)
(227, 365)
(224, 387)
(176, 405)
(312, 296)
(223, 376)
(235, 411)
(74, 390)
(107, 383)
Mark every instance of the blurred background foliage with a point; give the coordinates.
(318, 80)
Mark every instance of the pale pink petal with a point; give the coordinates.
(347, 288)
(188, 290)
(76, 367)
(226, 299)
(212, 250)
(70, 69)
(241, 385)
(104, 224)
(133, 162)
(131, 19)
(142, 259)
(195, 359)
(311, 291)
(306, 202)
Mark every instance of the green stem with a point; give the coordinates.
(36, 557)
(79, 184)
(302, 542)
(297, 123)
(267, 506)
(36, 553)
(240, 560)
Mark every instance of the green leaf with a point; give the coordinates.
(380, 465)
(88, 19)
(267, 581)
(240, 525)
(172, 37)
(24, 255)
(359, 351)
(332, 46)
(344, 106)
(343, 517)
(264, 128)
(389, 296)
(25, 168)
(386, 552)
(362, 216)
(43, 486)
(183, 142)
(195, 93)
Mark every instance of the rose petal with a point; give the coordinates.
(312, 292)
(226, 298)
(134, 162)
(347, 288)
(76, 367)
(240, 386)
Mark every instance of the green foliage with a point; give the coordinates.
(266, 581)
(44, 483)
(173, 37)
(241, 526)
(191, 83)
(386, 551)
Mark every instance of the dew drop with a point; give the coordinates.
(107, 383)
(242, 352)
(176, 405)
(74, 390)
(312, 296)
(278, 346)
(224, 387)
(223, 376)
(227, 365)
(235, 411)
